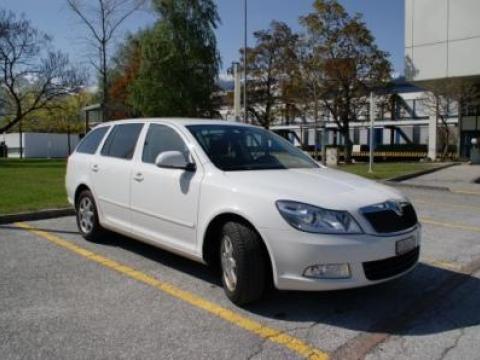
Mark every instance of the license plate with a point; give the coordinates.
(405, 245)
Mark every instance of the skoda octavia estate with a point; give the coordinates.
(244, 199)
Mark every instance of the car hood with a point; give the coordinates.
(324, 187)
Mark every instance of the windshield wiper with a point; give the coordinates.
(252, 167)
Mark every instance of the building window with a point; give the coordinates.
(416, 135)
(356, 136)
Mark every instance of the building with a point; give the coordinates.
(39, 145)
(442, 42)
(402, 125)
(92, 115)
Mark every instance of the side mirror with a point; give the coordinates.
(174, 160)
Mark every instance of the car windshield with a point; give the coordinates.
(236, 148)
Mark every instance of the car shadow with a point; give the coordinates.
(428, 300)
(163, 257)
(384, 308)
(423, 302)
(54, 231)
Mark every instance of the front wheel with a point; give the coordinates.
(244, 263)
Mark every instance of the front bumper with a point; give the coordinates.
(292, 251)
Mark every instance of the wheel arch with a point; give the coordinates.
(211, 239)
(78, 191)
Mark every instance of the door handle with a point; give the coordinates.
(138, 177)
(95, 168)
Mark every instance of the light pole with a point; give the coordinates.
(245, 118)
(372, 119)
(237, 92)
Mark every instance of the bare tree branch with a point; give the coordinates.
(102, 22)
(441, 98)
(31, 76)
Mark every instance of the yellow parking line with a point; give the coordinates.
(449, 225)
(274, 335)
(465, 192)
(445, 204)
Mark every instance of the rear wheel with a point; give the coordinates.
(87, 217)
(244, 264)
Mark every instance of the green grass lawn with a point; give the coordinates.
(383, 171)
(39, 184)
(31, 185)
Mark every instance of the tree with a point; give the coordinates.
(442, 98)
(305, 80)
(102, 22)
(123, 72)
(32, 75)
(270, 66)
(64, 117)
(347, 61)
(179, 61)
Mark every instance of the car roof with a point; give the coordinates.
(180, 121)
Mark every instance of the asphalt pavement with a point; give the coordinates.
(463, 178)
(62, 297)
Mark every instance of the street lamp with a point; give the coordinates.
(245, 118)
(372, 129)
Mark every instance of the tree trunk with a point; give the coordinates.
(105, 105)
(68, 140)
(445, 147)
(21, 138)
(348, 142)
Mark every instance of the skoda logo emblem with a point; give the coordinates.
(395, 206)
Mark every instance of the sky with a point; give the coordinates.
(385, 18)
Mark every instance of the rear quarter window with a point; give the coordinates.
(90, 142)
(121, 141)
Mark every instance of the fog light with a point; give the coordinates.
(328, 271)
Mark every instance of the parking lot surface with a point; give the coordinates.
(62, 297)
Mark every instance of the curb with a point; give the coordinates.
(412, 186)
(423, 172)
(36, 215)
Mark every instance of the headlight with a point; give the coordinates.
(317, 220)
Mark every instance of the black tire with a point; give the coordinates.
(251, 264)
(95, 232)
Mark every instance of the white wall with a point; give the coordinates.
(442, 38)
(12, 140)
(40, 145)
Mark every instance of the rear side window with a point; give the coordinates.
(90, 143)
(122, 140)
(161, 138)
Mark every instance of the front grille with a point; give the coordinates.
(388, 221)
(386, 268)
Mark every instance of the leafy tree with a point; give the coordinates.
(179, 61)
(346, 60)
(123, 72)
(32, 75)
(305, 81)
(63, 117)
(270, 65)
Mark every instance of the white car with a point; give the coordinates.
(243, 198)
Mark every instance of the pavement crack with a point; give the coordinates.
(258, 349)
(364, 343)
(447, 350)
